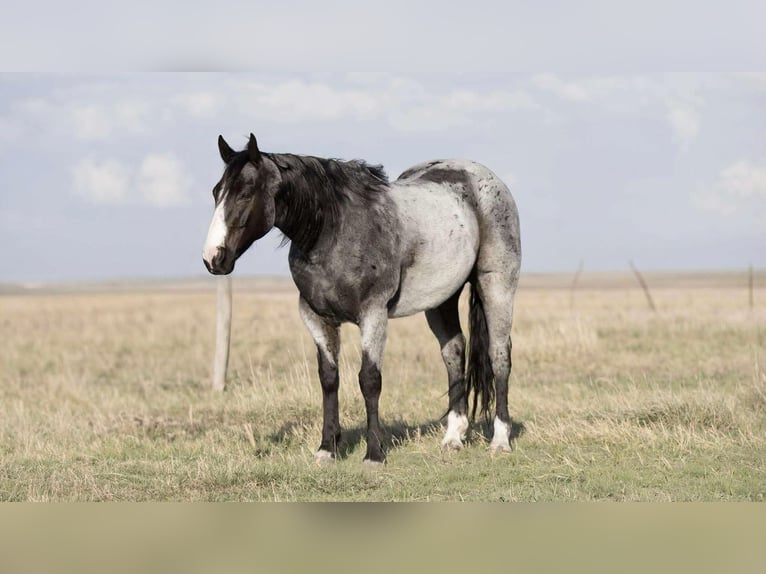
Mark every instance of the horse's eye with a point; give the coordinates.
(246, 193)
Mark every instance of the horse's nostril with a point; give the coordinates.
(220, 255)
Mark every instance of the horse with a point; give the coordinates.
(364, 249)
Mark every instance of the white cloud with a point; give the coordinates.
(105, 182)
(739, 187)
(294, 101)
(85, 118)
(404, 103)
(744, 180)
(132, 115)
(96, 122)
(159, 181)
(97, 111)
(111, 111)
(684, 120)
(494, 101)
(572, 91)
(677, 96)
(91, 122)
(162, 181)
(199, 104)
(426, 118)
(755, 80)
(622, 93)
(457, 108)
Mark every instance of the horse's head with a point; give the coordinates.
(244, 205)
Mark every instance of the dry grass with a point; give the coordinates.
(104, 396)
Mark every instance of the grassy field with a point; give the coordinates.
(104, 396)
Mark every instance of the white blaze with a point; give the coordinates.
(216, 234)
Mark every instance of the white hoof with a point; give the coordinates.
(324, 457)
(500, 437)
(452, 443)
(457, 426)
(369, 463)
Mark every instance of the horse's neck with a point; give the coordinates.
(287, 221)
(357, 227)
(294, 217)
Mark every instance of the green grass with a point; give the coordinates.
(105, 397)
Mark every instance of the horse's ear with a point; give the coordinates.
(226, 152)
(252, 150)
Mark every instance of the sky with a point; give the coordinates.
(107, 175)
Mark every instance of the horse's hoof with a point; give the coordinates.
(324, 457)
(457, 427)
(500, 449)
(369, 463)
(452, 444)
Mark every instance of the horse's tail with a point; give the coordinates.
(479, 376)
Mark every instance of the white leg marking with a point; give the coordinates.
(216, 234)
(319, 332)
(373, 331)
(500, 437)
(457, 425)
(323, 456)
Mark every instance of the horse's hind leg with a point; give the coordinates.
(445, 324)
(496, 290)
(327, 338)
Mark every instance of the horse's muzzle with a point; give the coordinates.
(222, 263)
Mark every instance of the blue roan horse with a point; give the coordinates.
(364, 250)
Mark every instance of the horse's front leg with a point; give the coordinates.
(326, 335)
(373, 327)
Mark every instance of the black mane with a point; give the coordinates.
(314, 189)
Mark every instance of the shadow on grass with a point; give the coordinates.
(397, 434)
(487, 427)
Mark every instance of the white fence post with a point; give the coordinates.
(222, 332)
